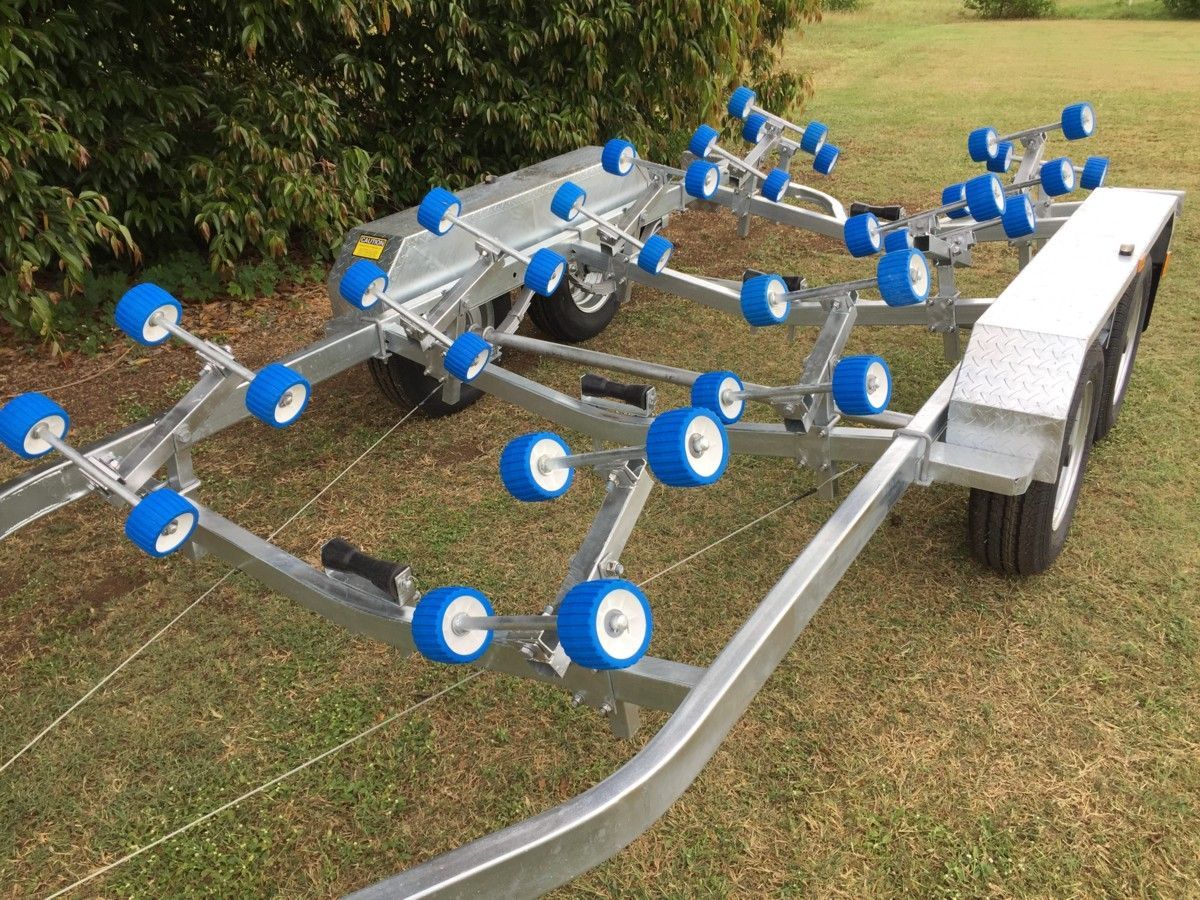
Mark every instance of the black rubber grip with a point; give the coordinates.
(342, 556)
(889, 213)
(793, 282)
(598, 386)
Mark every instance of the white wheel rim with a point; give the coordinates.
(1125, 363)
(290, 404)
(620, 605)
(546, 450)
(35, 444)
(877, 383)
(1068, 477)
(918, 274)
(152, 331)
(174, 533)
(704, 446)
(587, 301)
(733, 406)
(463, 643)
(625, 160)
(711, 179)
(775, 298)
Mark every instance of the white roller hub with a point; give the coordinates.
(1087, 119)
(557, 276)
(873, 231)
(540, 455)
(447, 222)
(291, 404)
(705, 444)
(776, 290)
(993, 143)
(620, 624)
(711, 179)
(375, 290)
(731, 406)
(663, 260)
(625, 160)
(1068, 174)
(878, 383)
(998, 192)
(35, 444)
(152, 328)
(175, 533)
(918, 274)
(466, 641)
(479, 362)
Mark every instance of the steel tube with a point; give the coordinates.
(832, 290)
(593, 358)
(1030, 132)
(608, 226)
(209, 351)
(593, 458)
(532, 624)
(417, 322)
(104, 477)
(487, 238)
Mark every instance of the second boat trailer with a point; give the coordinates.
(430, 298)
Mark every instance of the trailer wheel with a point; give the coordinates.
(406, 384)
(1023, 535)
(1124, 335)
(574, 314)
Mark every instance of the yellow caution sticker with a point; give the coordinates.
(370, 247)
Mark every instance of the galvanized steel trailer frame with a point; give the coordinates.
(973, 431)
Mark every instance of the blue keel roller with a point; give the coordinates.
(702, 179)
(955, 193)
(21, 417)
(708, 392)
(139, 305)
(763, 301)
(277, 395)
(434, 209)
(1057, 176)
(813, 138)
(1003, 159)
(1078, 121)
(903, 277)
(1019, 220)
(362, 283)
(1095, 170)
(985, 197)
(826, 159)
(776, 184)
(162, 522)
(520, 467)
(467, 357)
(740, 102)
(687, 447)
(703, 140)
(605, 624)
(901, 239)
(433, 629)
(862, 385)
(545, 272)
(861, 234)
(567, 199)
(753, 129)
(983, 144)
(617, 157)
(655, 254)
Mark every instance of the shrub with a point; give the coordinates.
(841, 5)
(1183, 9)
(1010, 9)
(135, 127)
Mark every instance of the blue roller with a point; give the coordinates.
(702, 179)
(672, 456)
(545, 272)
(740, 102)
(586, 616)
(955, 193)
(1078, 121)
(900, 239)
(361, 282)
(813, 138)
(655, 254)
(277, 395)
(136, 307)
(707, 391)
(436, 205)
(861, 234)
(433, 625)
(20, 415)
(826, 159)
(776, 184)
(467, 357)
(1095, 170)
(1057, 176)
(703, 140)
(982, 144)
(567, 200)
(1003, 159)
(617, 157)
(763, 300)
(519, 471)
(752, 130)
(985, 197)
(862, 385)
(1019, 220)
(903, 277)
(162, 522)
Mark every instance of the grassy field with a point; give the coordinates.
(937, 731)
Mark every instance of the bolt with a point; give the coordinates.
(172, 527)
(616, 623)
(698, 444)
(286, 400)
(527, 652)
(606, 708)
(577, 698)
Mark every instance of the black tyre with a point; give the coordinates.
(1023, 535)
(1120, 351)
(406, 383)
(574, 313)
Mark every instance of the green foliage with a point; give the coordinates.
(1010, 9)
(841, 5)
(1183, 9)
(251, 130)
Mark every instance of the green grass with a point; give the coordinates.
(937, 731)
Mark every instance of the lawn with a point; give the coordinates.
(937, 730)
